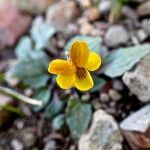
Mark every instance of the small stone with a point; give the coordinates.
(28, 92)
(146, 26)
(16, 144)
(114, 95)
(103, 134)
(141, 35)
(96, 104)
(104, 6)
(62, 13)
(91, 14)
(51, 145)
(136, 129)
(72, 147)
(10, 31)
(85, 3)
(144, 8)
(85, 97)
(138, 81)
(29, 139)
(104, 97)
(117, 85)
(112, 39)
(86, 29)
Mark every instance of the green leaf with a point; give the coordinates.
(94, 43)
(32, 71)
(2, 77)
(121, 60)
(42, 94)
(59, 122)
(98, 84)
(78, 117)
(55, 107)
(23, 48)
(41, 32)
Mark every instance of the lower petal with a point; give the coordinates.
(65, 81)
(84, 84)
(94, 62)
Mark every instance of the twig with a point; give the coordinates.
(19, 96)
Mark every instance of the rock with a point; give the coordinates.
(51, 145)
(85, 3)
(34, 6)
(104, 97)
(141, 35)
(117, 85)
(114, 95)
(96, 104)
(112, 39)
(16, 144)
(28, 138)
(62, 13)
(146, 26)
(10, 31)
(5, 115)
(144, 8)
(91, 14)
(85, 29)
(104, 6)
(138, 81)
(136, 129)
(103, 134)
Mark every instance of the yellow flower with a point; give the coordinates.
(75, 71)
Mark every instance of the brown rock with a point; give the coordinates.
(91, 14)
(62, 13)
(136, 129)
(144, 8)
(84, 3)
(86, 29)
(13, 24)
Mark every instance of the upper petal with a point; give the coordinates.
(65, 81)
(79, 53)
(59, 66)
(84, 84)
(94, 62)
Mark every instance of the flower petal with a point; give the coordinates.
(93, 62)
(65, 81)
(79, 53)
(59, 66)
(84, 84)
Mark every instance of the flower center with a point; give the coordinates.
(81, 73)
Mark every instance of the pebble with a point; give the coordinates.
(91, 14)
(85, 29)
(114, 95)
(29, 139)
(104, 134)
(67, 11)
(104, 6)
(136, 129)
(104, 97)
(146, 26)
(85, 97)
(144, 8)
(16, 144)
(96, 104)
(84, 3)
(117, 85)
(112, 39)
(51, 145)
(141, 35)
(138, 81)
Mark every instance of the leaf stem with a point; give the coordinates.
(19, 96)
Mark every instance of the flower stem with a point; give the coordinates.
(19, 96)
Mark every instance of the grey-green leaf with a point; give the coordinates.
(78, 117)
(32, 71)
(59, 122)
(41, 32)
(55, 107)
(94, 43)
(42, 94)
(23, 48)
(121, 60)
